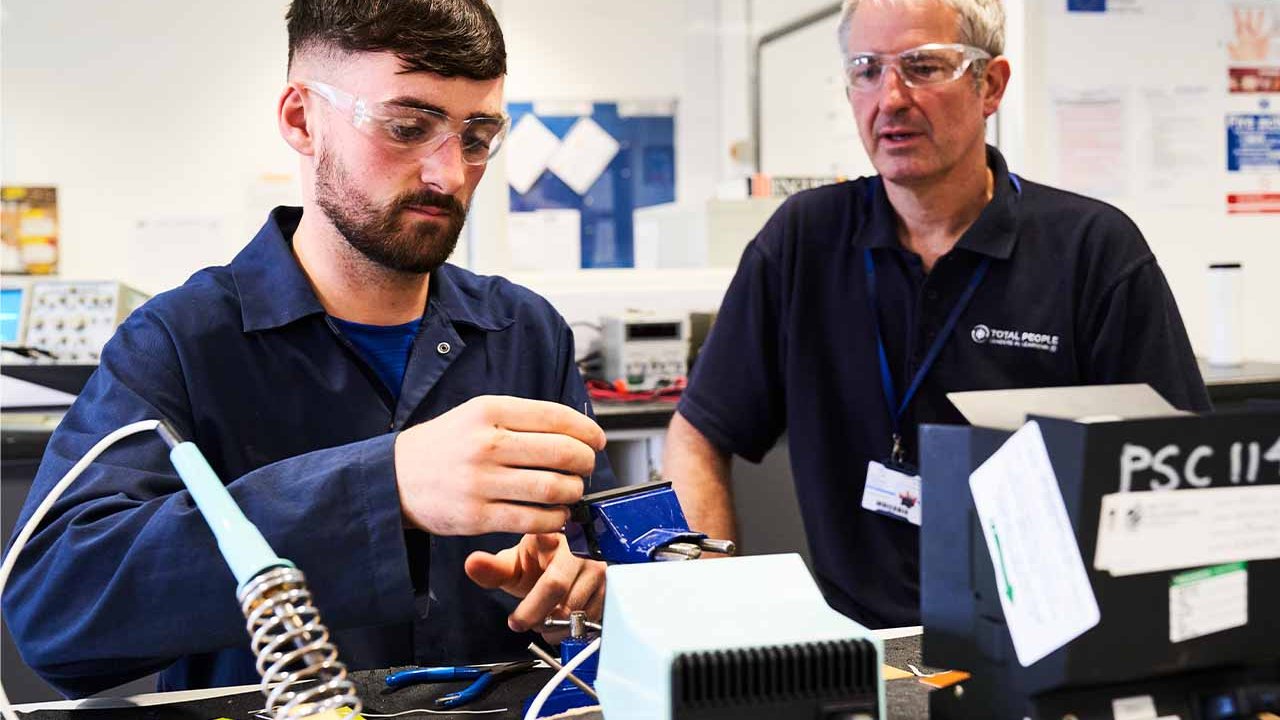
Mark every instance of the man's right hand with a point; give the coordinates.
(495, 464)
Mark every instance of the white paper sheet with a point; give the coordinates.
(1089, 133)
(1043, 585)
(1142, 532)
(1174, 122)
(583, 155)
(545, 240)
(528, 149)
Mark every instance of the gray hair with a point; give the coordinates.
(981, 23)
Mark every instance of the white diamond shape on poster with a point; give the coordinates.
(528, 149)
(583, 155)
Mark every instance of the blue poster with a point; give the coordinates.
(641, 174)
(1253, 143)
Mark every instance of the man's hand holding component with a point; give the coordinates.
(495, 464)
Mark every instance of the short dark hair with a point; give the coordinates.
(445, 37)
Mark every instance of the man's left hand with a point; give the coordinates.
(552, 581)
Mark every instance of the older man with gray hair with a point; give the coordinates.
(860, 305)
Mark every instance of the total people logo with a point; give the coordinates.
(986, 335)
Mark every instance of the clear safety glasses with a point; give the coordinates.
(416, 130)
(931, 64)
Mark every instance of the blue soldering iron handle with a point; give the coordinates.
(242, 546)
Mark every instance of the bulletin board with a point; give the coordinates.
(578, 171)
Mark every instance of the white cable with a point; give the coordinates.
(541, 699)
(34, 521)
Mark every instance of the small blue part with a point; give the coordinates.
(568, 696)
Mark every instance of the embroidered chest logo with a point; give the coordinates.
(985, 335)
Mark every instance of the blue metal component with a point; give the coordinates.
(628, 525)
(568, 696)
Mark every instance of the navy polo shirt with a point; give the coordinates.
(1073, 297)
(124, 577)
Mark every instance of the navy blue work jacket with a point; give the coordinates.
(124, 578)
(1073, 297)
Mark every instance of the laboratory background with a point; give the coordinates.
(649, 143)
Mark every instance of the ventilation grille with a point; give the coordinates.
(819, 671)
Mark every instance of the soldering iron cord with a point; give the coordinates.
(36, 517)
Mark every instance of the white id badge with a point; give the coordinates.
(892, 492)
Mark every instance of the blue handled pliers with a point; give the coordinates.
(485, 676)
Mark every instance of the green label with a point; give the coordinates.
(1195, 576)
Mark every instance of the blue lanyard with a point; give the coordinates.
(896, 410)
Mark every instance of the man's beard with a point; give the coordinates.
(377, 231)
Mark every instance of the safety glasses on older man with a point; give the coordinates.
(413, 129)
(931, 64)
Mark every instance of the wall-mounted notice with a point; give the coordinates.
(1251, 35)
(1089, 130)
(1175, 148)
(601, 161)
(1253, 45)
(29, 229)
(1253, 142)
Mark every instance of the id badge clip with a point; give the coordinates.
(893, 487)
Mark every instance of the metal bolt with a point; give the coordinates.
(678, 551)
(719, 546)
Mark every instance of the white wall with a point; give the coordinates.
(156, 120)
(1170, 47)
(161, 115)
(144, 111)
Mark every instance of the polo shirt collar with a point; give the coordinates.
(992, 234)
(275, 292)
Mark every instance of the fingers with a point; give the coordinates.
(544, 450)
(541, 416)
(491, 571)
(532, 486)
(549, 590)
(549, 578)
(516, 518)
(587, 592)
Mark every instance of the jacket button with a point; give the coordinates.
(443, 348)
